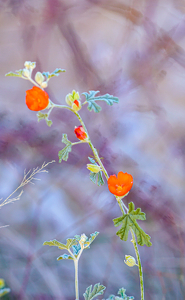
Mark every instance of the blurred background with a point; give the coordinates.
(133, 50)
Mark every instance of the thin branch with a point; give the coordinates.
(26, 179)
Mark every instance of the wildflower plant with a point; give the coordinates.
(38, 100)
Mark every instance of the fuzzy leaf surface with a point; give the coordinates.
(41, 116)
(91, 239)
(129, 221)
(90, 294)
(68, 245)
(122, 294)
(17, 73)
(64, 153)
(49, 75)
(64, 256)
(91, 98)
(4, 291)
(97, 178)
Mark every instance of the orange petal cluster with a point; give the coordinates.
(120, 185)
(36, 99)
(80, 133)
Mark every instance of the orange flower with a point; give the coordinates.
(120, 185)
(36, 99)
(80, 133)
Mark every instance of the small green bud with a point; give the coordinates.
(2, 283)
(27, 64)
(83, 238)
(130, 261)
(30, 65)
(26, 73)
(39, 78)
(70, 98)
(93, 168)
(44, 84)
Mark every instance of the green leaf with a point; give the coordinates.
(69, 244)
(4, 291)
(121, 292)
(64, 256)
(100, 179)
(92, 161)
(91, 98)
(129, 221)
(91, 239)
(17, 73)
(41, 116)
(57, 71)
(64, 153)
(76, 249)
(97, 178)
(93, 177)
(90, 294)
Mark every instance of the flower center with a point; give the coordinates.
(119, 188)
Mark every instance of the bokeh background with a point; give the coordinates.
(133, 50)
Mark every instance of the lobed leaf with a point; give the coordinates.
(129, 221)
(41, 116)
(92, 161)
(90, 294)
(17, 73)
(49, 75)
(91, 98)
(91, 239)
(4, 291)
(122, 294)
(64, 256)
(97, 178)
(64, 153)
(69, 244)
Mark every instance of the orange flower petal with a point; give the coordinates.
(112, 180)
(112, 189)
(36, 99)
(121, 184)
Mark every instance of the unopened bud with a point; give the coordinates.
(39, 78)
(76, 105)
(70, 98)
(30, 65)
(83, 238)
(2, 283)
(44, 84)
(26, 73)
(27, 64)
(93, 168)
(130, 261)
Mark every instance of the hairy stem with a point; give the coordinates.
(76, 279)
(139, 264)
(92, 147)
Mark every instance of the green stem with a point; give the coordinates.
(139, 263)
(76, 279)
(92, 147)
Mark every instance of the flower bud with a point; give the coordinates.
(83, 238)
(26, 73)
(30, 65)
(76, 105)
(93, 168)
(44, 84)
(27, 64)
(80, 133)
(130, 261)
(70, 98)
(39, 78)
(2, 283)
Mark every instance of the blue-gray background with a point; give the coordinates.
(135, 51)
